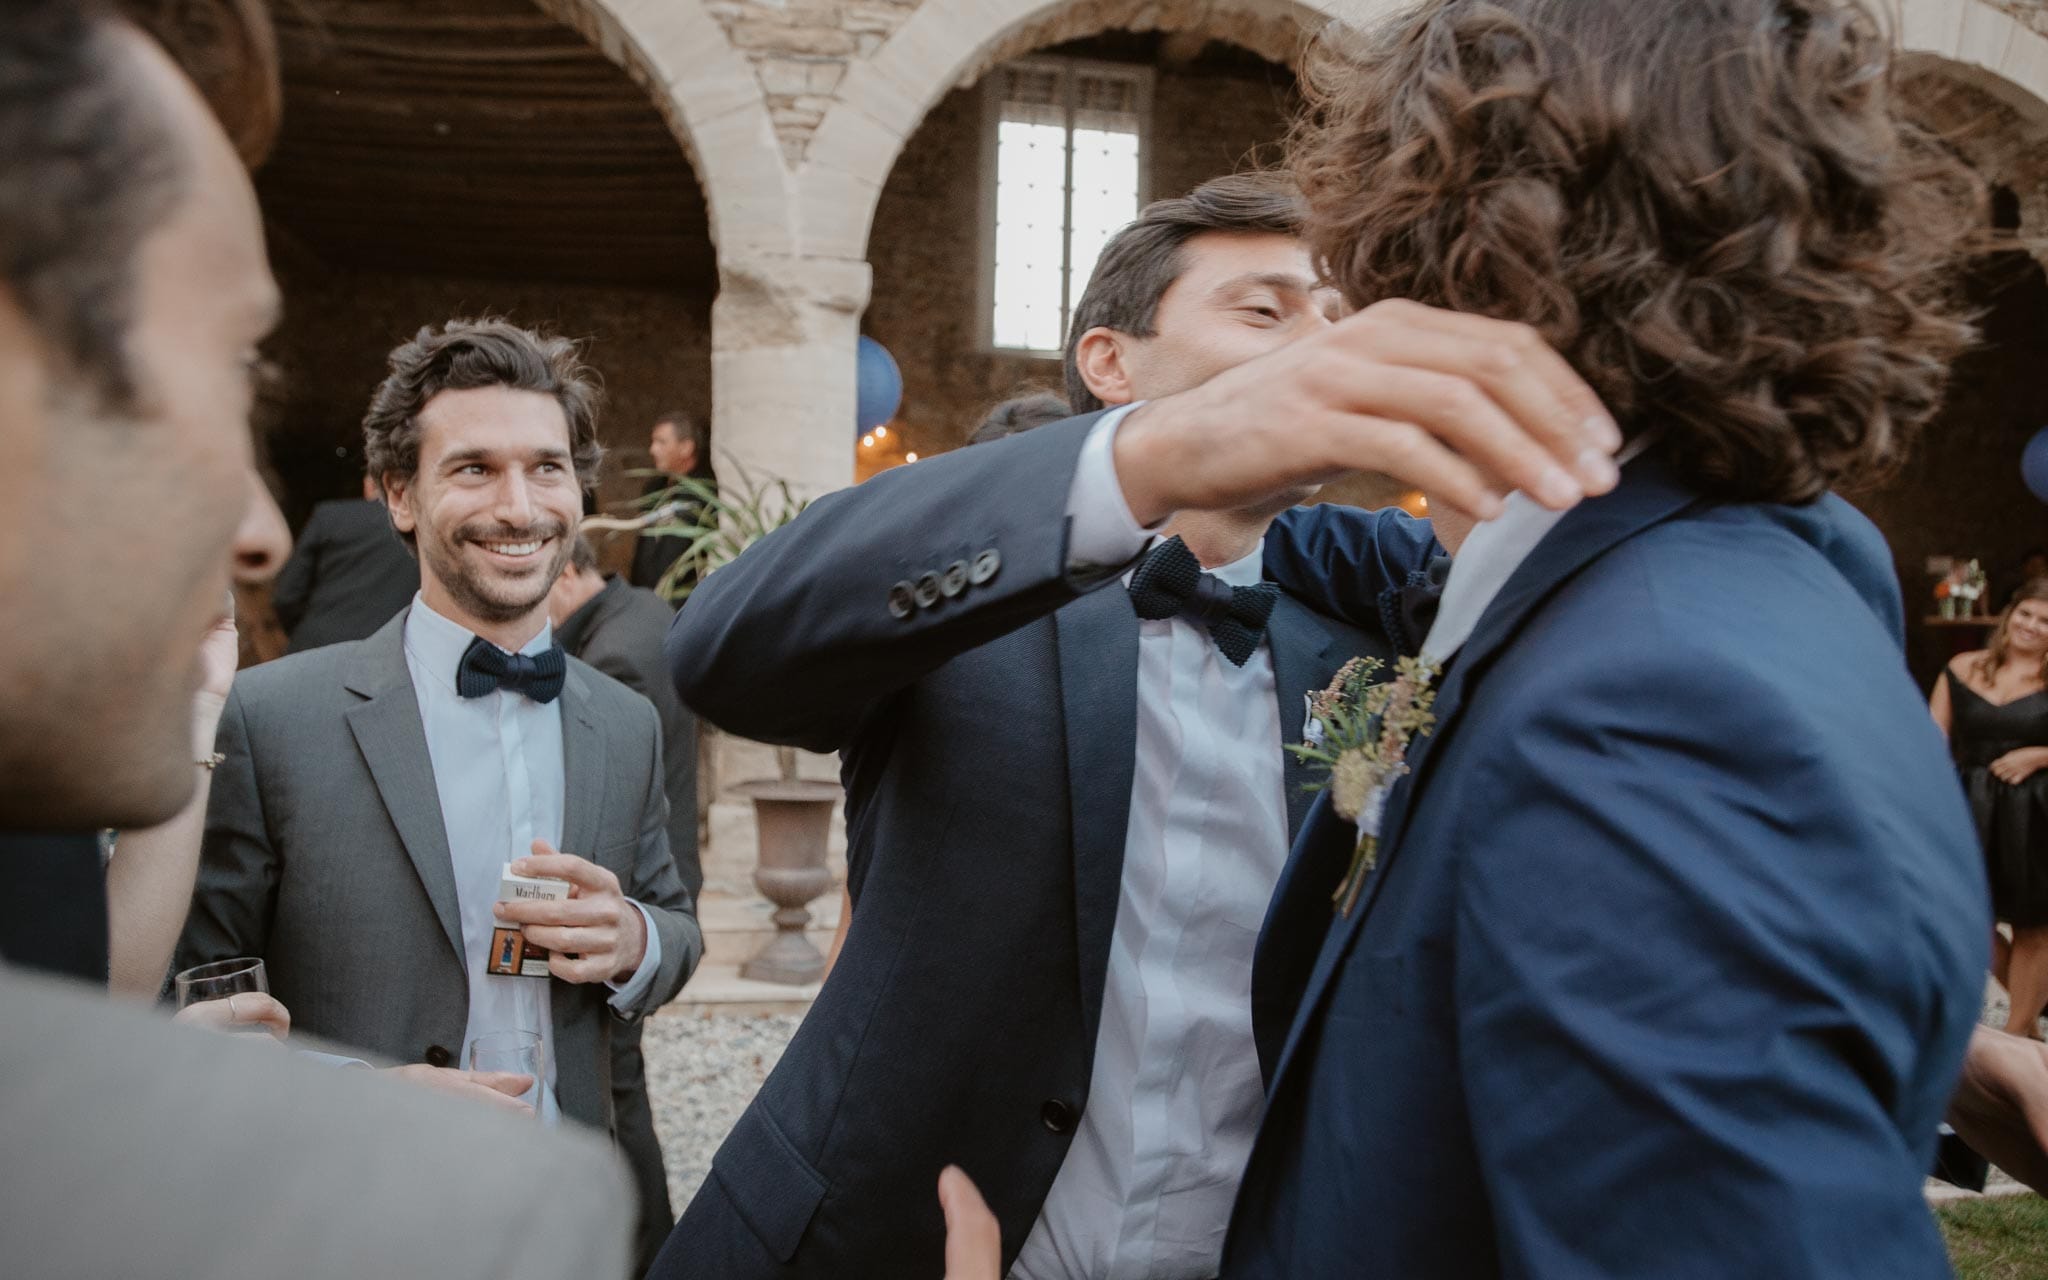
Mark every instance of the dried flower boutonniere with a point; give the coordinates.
(1366, 728)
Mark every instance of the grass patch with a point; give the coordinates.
(2004, 1238)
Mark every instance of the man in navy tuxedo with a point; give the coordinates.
(1670, 940)
(1065, 815)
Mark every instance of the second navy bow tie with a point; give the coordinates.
(486, 668)
(1169, 583)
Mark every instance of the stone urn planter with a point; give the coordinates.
(794, 816)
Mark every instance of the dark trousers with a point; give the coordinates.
(633, 1117)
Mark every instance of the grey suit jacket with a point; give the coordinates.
(139, 1148)
(325, 854)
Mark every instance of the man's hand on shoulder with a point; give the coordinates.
(1463, 407)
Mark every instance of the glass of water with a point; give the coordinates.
(224, 980)
(515, 1051)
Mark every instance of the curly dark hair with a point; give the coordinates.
(1712, 208)
(1141, 262)
(487, 352)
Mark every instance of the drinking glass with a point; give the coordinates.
(221, 979)
(518, 1051)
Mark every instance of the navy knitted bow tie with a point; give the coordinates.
(486, 668)
(1169, 583)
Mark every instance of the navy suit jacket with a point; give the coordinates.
(1676, 935)
(989, 740)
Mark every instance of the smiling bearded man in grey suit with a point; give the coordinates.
(372, 793)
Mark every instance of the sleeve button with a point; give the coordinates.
(985, 566)
(902, 600)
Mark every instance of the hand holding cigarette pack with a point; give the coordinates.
(511, 954)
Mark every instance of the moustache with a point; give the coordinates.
(511, 533)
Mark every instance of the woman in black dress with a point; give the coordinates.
(1993, 705)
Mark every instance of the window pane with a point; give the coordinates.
(1105, 193)
(1031, 173)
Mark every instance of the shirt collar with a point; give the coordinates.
(438, 642)
(1490, 556)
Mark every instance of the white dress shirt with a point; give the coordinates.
(1146, 1189)
(498, 771)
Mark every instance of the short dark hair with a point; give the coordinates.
(692, 428)
(90, 167)
(1712, 209)
(87, 169)
(1141, 262)
(1020, 414)
(464, 354)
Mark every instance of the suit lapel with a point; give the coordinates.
(1302, 662)
(393, 741)
(1649, 494)
(1098, 655)
(582, 768)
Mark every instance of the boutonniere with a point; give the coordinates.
(1364, 728)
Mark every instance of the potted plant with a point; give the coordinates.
(793, 815)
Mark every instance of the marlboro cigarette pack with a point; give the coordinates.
(511, 953)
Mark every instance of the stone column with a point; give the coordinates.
(783, 336)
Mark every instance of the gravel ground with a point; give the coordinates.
(703, 1069)
(701, 1072)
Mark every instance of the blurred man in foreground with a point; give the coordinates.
(133, 291)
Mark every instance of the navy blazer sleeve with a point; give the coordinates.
(1687, 998)
(795, 640)
(1338, 560)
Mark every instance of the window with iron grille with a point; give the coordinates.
(1066, 163)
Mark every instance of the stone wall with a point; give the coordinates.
(653, 349)
(1962, 494)
(2033, 13)
(800, 53)
(927, 243)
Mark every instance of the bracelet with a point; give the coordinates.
(212, 762)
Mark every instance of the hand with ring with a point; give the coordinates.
(243, 1011)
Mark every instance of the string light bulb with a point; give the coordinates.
(881, 433)
(910, 457)
(867, 442)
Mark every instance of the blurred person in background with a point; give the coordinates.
(679, 444)
(1993, 705)
(348, 576)
(618, 628)
(1020, 413)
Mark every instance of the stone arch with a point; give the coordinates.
(885, 96)
(713, 102)
(1979, 77)
(946, 42)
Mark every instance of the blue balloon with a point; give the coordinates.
(2034, 464)
(880, 386)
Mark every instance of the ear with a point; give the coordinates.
(1104, 363)
(396, 489)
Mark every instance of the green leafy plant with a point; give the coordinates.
(716, 522)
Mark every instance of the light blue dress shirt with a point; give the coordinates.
(498, 771)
